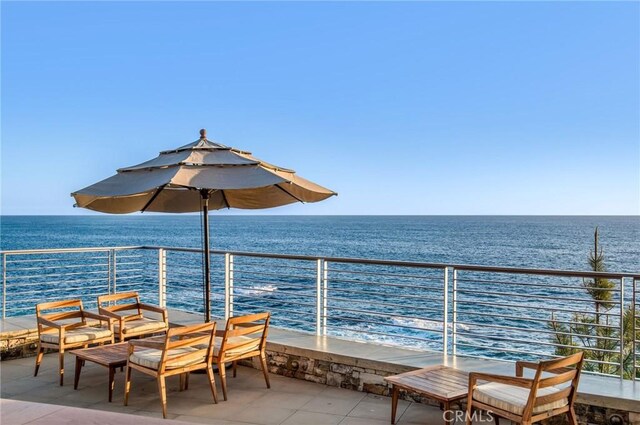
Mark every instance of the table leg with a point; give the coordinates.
(76, 378)
(394, 404)
(112, 379)
(449, 417)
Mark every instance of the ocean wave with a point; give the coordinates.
(258, 290)
(423, 323)
(360, 335)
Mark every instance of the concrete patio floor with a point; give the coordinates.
(289, 401)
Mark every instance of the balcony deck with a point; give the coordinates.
(289, 401)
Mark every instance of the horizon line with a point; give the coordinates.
(320, 215)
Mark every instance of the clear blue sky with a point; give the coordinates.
(402, 108)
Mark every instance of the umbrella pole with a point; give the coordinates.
(207, 259)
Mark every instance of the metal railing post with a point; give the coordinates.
(319, 296)
(162, 277)
(228, 286)
(454, 315)
(4, 286)
(114, 271)
(109, 266)
(325, 293)
(622, 336)
(445, 319)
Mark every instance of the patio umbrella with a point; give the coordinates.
(200, 176)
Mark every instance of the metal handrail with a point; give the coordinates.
(67, 250)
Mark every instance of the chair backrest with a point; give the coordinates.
(245, 336)
(199, 336)
(123, 301)
(54, 311)
(565, 373)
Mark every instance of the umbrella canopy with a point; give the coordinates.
(199, 176)
(173, 182)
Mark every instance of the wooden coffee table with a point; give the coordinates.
(110, 356)
(441, 383)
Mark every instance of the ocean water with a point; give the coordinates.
(378, 304)
(553, 242)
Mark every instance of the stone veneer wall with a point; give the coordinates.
(16, 344)
(337, 371)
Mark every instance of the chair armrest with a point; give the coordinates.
(110, 314)
(474, 377)
(521, 365)
(120, 319)
(153, 308)
(101, 317)
(147, 344)
(43, 321)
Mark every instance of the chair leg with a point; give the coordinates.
(223, 379)
(212, 383)
(394, 403)
(265, 371)
(573, 420)
(469, 414)
(182, 378)
(186, 381)
(235, 366)
(39, 358)
(127, 385)
(496, 419)
(61, 360)
(162, 389)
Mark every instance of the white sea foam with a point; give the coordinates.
(388, 340)
(258, 290)
(422, 323)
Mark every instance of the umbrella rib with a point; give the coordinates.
(224, 198)
(289, 193)
(153, 198)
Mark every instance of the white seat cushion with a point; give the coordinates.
(151, 357)
(79, 334)
(236, 340)
(141, 326)
(513, 399)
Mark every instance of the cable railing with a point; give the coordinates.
(401, 306)
(514, 315)
(465, 310)
(286, 287)
(33, 276)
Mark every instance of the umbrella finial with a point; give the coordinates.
(203, 133)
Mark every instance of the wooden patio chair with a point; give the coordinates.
(184, 349)
(63, 325)
(244, 337)
(128, 312)
(551, 392)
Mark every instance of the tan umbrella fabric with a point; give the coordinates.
(172, 183)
